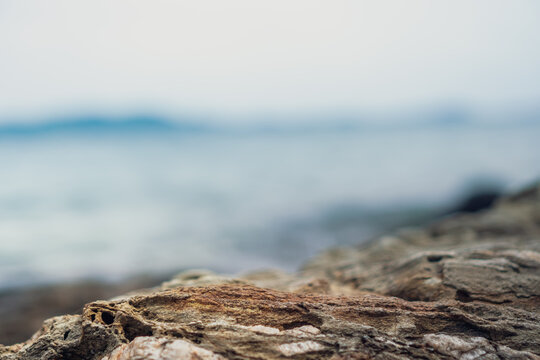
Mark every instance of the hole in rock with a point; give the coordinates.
(463, 296)
(434, 258)
(133, 329)
(107, 317)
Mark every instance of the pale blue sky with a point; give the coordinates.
(241, 57)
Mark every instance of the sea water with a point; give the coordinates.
(77, 205)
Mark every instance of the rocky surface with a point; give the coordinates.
(22, 310)
(466, 287)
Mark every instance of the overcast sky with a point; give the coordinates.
(242, 57)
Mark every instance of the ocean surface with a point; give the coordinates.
(99, 205)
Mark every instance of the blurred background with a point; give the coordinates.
(143, 138)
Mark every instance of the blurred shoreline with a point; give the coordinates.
(23, 308)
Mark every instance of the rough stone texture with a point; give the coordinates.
(466, 287)
(493, 256)
(145, 348)
(22, 310)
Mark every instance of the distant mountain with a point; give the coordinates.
(97, 124)
(146, 124)
(449, 117)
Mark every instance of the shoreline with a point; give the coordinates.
(465, 286)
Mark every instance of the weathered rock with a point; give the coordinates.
(494, 255)
(491, 275)
(145, 347)
(23, 310)
(467, 287)
(242, 321)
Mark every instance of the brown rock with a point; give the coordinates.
(242, 321)
(466, 287)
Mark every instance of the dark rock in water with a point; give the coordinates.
(467, 287)
(478, 201)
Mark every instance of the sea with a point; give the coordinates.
(114, 204)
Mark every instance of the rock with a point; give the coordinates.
(147, 348)
(243, 321)
(23, 310)
(509, 233)
(466, 287)
(487, 274)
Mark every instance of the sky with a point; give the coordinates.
(238, 58)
